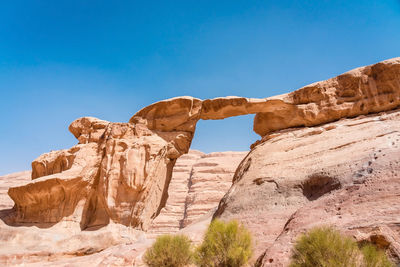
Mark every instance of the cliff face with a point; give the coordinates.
(171, 216)
(198, 183)
(343, 173)
(339, 166)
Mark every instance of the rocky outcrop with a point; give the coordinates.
(33, 246)
(343, 174)
(120, 172)
(64, 244)
(360, 91)
(175, 114)
(198, 183)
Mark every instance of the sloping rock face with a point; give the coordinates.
(344, 174)
(198, 183)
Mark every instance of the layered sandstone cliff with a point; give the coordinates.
(170, 218)
(198, 183)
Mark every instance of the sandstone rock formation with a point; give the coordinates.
(211, 178)
(64, 244)
(121, 171)
(343, 173)
(198, 183)
(118, 172)
(170, 218)
(360, 91)
(330, 166)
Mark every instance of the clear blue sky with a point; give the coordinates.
(60, 60)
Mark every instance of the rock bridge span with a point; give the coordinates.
(120, 172)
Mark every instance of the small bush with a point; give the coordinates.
(374, 257)
(224, 245)
(169, 251)
(326, 247)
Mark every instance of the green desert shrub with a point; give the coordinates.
(169, 251)
(224, 245)
(326, 247)
(374, 257)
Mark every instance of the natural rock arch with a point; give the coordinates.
(121, 171)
